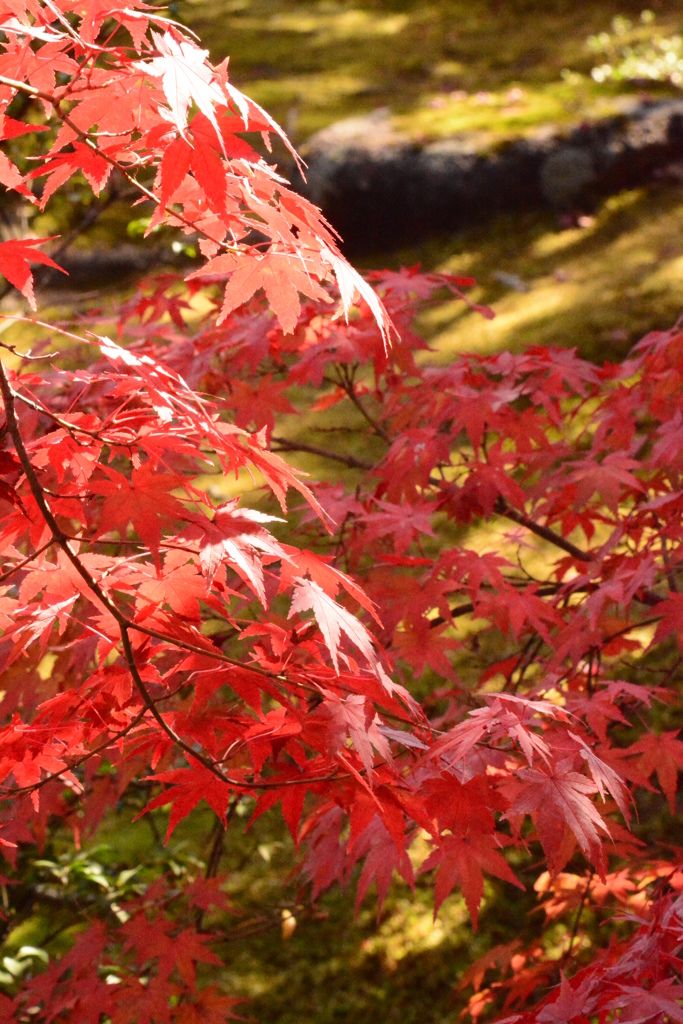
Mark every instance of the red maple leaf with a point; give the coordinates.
(557, 798)
(280, 279)
(382, 858)
(143, 501)
(333, 620)
(237, 536)
(355, 719)
(16, 256)
(461, 860)
(662, 754)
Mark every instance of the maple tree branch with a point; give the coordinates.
(503, 509)
(9, 396)
(351, 461)
(346, 383)
(651, 620)
(11, 792)
(122, 621)
(213, 862)
(71, 428)
(525, 660)
(124, 624)
(87, 139)
(27, 561)
(216, 852)
(129, 656)
(578, 916)
(466, 609)
(670, 574)
(23, 87)
(646, 595)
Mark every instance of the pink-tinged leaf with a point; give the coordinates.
(352, 286)
(382, 858)
(12, 26)
(11, 178)
(209, 1006)
(332, 619)
(15, 259)
(185, 78)
(605, 778)
(639, 1005)
(355, 719)
(506, 716)
(325, 859)
(281, 275)
(608, 478)
(306, 563)
(238, 537)
(573, 1004)
(253, 116)
(557, 798)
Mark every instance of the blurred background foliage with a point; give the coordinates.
(496, 68)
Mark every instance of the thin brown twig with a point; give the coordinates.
(646, 595)
(578, 916)
(11, 792)
(285, 445)
(345, 381)
(71, 428)
(87, 139)
(503, 509)
(103, 599)
(124, 624)
(26, 561)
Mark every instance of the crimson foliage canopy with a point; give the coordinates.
(502, 534)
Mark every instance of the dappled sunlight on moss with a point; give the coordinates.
(598, 288)
(411, 928)
(330, 26)
(412, 55)
(513, 319)
(507, 112)
(323, 93)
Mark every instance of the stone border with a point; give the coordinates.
(381, 191)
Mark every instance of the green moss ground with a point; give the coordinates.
(311, 63)
(598, 288)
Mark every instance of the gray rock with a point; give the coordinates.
(565, 173)
(380, 190)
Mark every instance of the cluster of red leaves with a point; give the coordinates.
(513, 530)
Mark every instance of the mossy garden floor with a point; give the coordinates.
(598, 286)
(498, 67)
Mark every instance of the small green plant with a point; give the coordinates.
(634, 51)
